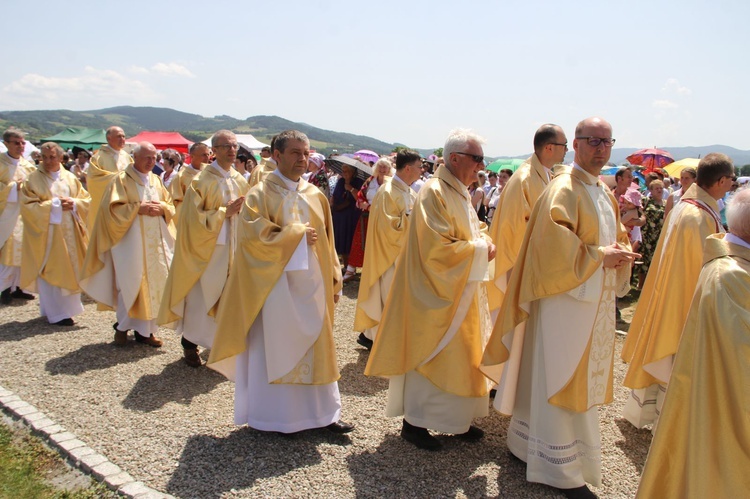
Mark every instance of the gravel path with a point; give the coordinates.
(171, 426)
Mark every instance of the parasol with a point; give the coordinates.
(505, 164)
(336, 163)
(650, 159)
(674, 169)
(367, 155)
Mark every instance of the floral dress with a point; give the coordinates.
(651, 231)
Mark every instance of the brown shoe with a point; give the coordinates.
(151, 341)
(192, 358)
(121, 337)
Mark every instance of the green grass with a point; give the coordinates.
(24, 464)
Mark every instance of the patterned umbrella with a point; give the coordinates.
(650, 159)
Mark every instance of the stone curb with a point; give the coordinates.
(75, 451)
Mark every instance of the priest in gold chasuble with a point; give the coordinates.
(436, 318)
(573, 260)
(274, 335)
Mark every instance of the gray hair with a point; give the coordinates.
(142, 145)
(13, 133)
(279, 142)
(457, 139)
(738, 214)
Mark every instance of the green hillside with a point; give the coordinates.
(40, 124)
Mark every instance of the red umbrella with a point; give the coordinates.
(651, 159)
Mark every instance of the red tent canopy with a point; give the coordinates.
(164, 140)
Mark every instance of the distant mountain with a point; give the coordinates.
(40, 124)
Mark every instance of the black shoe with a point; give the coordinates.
(472, 435)
(20, 295)
(493, 392)
(581, 492)
(419, 437)
(5, 297)
(364, 341)
(65, 322)
(339, 427)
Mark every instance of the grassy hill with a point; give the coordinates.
(40, 124)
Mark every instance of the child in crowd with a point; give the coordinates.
(630, 210)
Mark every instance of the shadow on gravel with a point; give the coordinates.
(351, 288)
(354, 382)
(16, 331)
(457, 470)
(636, 443)
(98, 356)
(211, 466)
(177, 382)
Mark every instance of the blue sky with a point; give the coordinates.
(664, 73)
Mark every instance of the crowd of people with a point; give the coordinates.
(474, 285)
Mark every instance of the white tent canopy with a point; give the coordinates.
(248, 141)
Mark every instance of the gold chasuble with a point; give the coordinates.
(53, 251)
(701, 448)
(560, 279)
(388, 229)
(127, 251)
(655, 330)
(179, 186)
(270, 227)
(203, 215)
(105, 163)
(261, 171)
(436, 319)
(12, 173)
(509, 223)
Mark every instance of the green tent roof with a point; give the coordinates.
(85, 138)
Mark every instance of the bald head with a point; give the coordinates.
(144, 157)
(593, 144)
(115, 137)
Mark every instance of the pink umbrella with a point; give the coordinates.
(367, 155)
(650, 159)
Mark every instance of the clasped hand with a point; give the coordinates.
(67, 204)
(615, 257)
(234, 207)
(151, 209)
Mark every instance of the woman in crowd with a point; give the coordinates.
(687, 178)
(651, 230)
(344, 211)
(317, 174)
(477, 200)
(170, 160)
(382, 169)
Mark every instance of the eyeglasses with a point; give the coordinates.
(16, 142)
(733, 178)
(595, 141)
(227, 146)
(565, 145)
(475, 157)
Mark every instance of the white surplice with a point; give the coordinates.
(280, 346)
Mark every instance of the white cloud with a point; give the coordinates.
(664, 104)
(172, 69)
(138, 69)
(86, 91)
(672, 86)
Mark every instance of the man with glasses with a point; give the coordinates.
(430, 339)
(516, 202)
(575, 256)
(110, 159)
(14, 169)
(206, 239)
(657, 324)
(131, 248)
